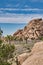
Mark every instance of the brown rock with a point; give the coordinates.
(34, 29)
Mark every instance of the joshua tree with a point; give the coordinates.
(15, 38)
(26, 39)
(9, 38)
(20, 39)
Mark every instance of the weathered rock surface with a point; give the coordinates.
(33, 30)
(23, 57)
(36, 56)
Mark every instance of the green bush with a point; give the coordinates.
(0, 41)
(41, 38)
(5, 63)
(6, 53)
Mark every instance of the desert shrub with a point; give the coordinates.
(5, 63)
(41, 38)
(6, 53)
(0, 41)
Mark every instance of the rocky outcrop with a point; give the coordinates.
(33, 30)
(35, 57)
(18, 32)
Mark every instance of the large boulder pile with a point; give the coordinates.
(33, 30)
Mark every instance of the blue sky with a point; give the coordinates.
(20, 10)
(10, 28)
(21, 4)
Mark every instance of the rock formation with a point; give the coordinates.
(33, 30)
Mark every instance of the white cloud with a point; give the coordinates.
(32, 9)
(18, 18)
(14, 19)
(11, 5)
(26, 9)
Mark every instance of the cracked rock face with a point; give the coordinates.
(33, 30)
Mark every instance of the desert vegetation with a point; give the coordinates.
(6, 51)
(9, 51)
(17, 47)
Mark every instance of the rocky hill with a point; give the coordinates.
(33, 30)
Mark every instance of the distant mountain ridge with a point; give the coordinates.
(33, 30)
